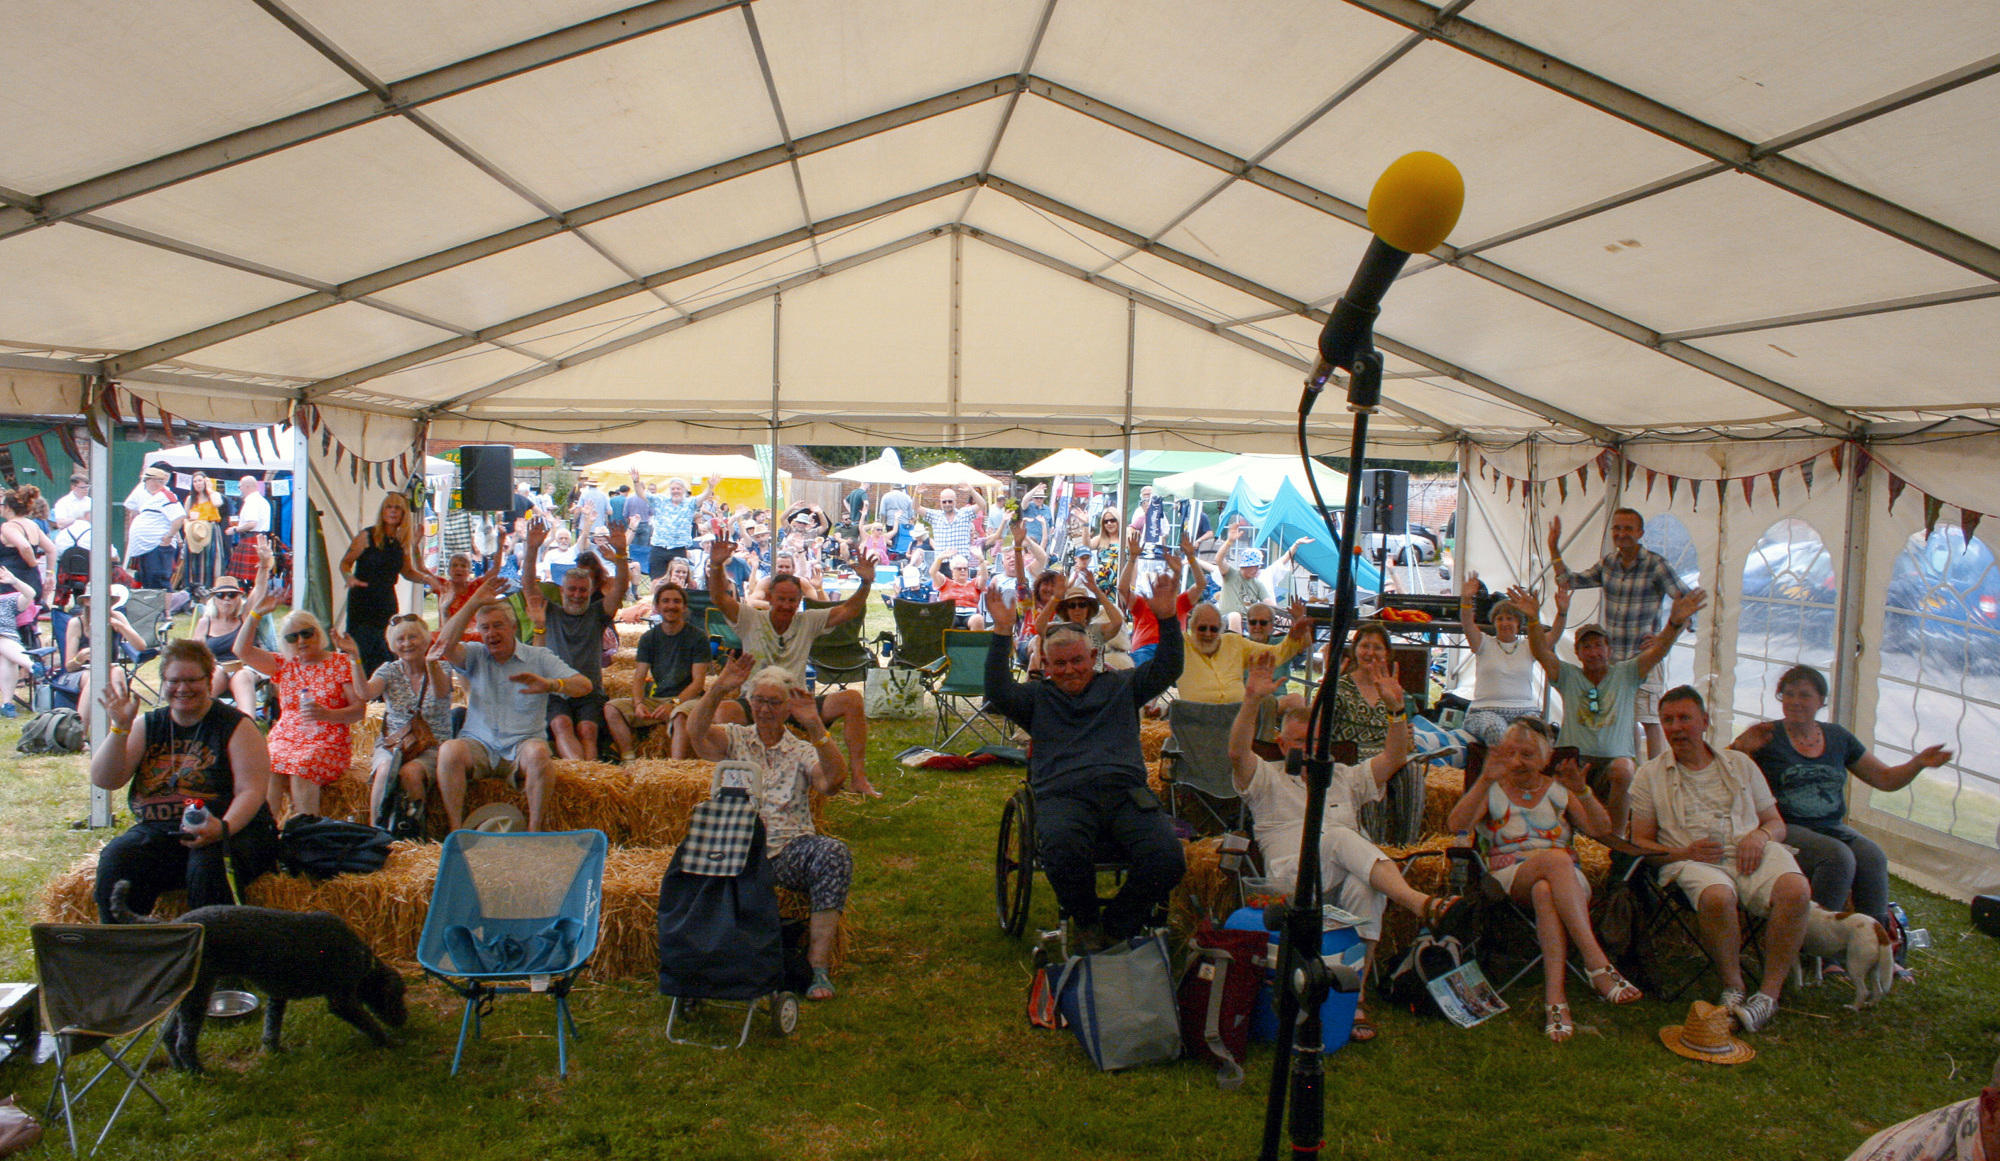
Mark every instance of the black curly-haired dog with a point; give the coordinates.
(288, 955)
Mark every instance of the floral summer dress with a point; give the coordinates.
(315, 751)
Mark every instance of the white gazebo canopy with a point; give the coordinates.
(1070, 461)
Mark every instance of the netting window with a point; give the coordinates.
(1784, 615)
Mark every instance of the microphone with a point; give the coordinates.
(1414, 205)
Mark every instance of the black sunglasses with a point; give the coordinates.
(299, 635)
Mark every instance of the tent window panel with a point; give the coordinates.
(1940, 682)
(1785, 616)
(1666, 535)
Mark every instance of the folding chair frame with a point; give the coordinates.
(947, 701)
(65, 1055)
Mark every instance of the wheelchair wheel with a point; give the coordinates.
(1014, 863)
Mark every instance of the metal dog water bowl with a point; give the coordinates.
(224, 1004)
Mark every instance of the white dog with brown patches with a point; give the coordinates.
(1859, 943)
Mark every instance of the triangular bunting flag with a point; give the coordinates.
(1806, 474)
(1651, 475)
(1775, 497)
(353, 468)
(1968, 522)
(1896, 487)
(245, 455)
(1749, 489)
(1834, 455)
(1933, 508)
(1629, 468)
(109, 398)
(1562, 488)
(167, 423)
(1583, 478)
(326, 443)
(41, 454)
(1510, 489)
(138, 408)
(1694, 491)
(1604, 463)
(69, 445)
(339, 454)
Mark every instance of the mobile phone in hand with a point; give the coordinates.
(1565, 754)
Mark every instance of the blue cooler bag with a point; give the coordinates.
(1120, 1003)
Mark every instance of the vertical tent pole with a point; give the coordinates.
(1125, 461)
(100, 594)
(301, 515)
(1847, 643)
(777, 316)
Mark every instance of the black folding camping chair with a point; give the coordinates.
(102, 988)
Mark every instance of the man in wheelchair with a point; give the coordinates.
(1086, 768)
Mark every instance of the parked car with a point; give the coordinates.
(1437, 542)
(1789, 590)
(1944, 598)
(1395, 546)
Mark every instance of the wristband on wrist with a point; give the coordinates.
(120, 730)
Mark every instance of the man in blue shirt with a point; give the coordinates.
(673, 516)
(1635, 580)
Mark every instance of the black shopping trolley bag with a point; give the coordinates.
(719, 926)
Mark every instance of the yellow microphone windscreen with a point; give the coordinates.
(1416, 202)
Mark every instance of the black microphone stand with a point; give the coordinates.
(1303, 977)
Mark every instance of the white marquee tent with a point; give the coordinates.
(1717, 239)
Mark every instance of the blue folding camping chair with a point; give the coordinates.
(514, 914)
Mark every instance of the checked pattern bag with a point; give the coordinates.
(719, 835)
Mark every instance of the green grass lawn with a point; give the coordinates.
(926, 1052)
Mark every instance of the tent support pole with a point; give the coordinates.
(302, 515)
(1847, 643)
(954, 433)
(1125, 461)
(100, 593)
(777, 332)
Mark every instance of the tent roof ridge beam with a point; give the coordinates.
(542, 228)
(1859, 310)
(691, 318)
(1921, 91)
(1182, 315)
(200, 253)
(1626, 328)
(360, 108)
(300, 27)
(1277, 298)
(1689, 132)
(1014, 98)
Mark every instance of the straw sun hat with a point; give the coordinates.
(1705, 1036)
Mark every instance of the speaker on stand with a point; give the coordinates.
(1385, 508)
(486, 477)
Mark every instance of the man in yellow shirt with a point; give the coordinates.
(1213, 671)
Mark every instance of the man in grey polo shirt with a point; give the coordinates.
(507, 695)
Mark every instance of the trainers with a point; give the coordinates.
(7, 710)
(1731, 998)
(1755, 1012)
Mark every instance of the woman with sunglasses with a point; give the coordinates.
(1527, 815)
(318, 703)
(378, 556)
(1105, 546)
(217, 627)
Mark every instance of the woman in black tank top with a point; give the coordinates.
(379, 555)
(23, 544)
(193, 748)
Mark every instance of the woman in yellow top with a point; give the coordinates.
(205, 505)
(1213, 670)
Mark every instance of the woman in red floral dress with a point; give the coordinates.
(311, 745)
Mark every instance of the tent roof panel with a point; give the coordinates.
(1010, 218)
(1096, 168)
(508, 284)
(1034, 338)
(888, 228)
(702, 367)
(1756, 70)
(394, 40)
(1463, 406)
(1553, 357)
(1238, 229)
(1531, 152)
(71, 286)
(1174, 366)
(917, 156)
(1936, 157)
(1939, 356)
(91, 88)
(334, 208)
(725, 282)
(879, 333)
(445, 377)
(319, 345)
(1203, 69)
(835, 63)
(624, 116)
(706, 221)
(1184, 288)
(587, 328)
(1725, 249)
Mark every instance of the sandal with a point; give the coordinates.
(1364, 1028)
(1557, 1026)
(822, 986)
(1435, 909)
(1622, 991)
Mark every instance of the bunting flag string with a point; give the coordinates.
(1933, 508)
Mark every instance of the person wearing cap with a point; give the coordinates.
(1635, 580)
(217, 627)
(592, 508)
(1035, 515)
(506, 705)
(1212, 673)
(672, 514)
(1599, 697)
(73, 503)
(1087, 770)
(783, 635)
(153, 517)
(1238, 577)
(1714, 824)
(1083, 605)
(74, 679)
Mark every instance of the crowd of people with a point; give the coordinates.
(1095, 616)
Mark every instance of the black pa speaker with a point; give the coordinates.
(1385, 500)
(1986, 914)
(486, 476)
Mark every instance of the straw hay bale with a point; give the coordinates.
(387, 908)
(620, 677)
(1443, 787)
(1153, 734)
(1206, 891)
(368, 731)
(628, 636)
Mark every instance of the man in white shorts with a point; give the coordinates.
(507, 688)
(1354, 873)
(1711, 816)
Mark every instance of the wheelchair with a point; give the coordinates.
(1015, 866)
